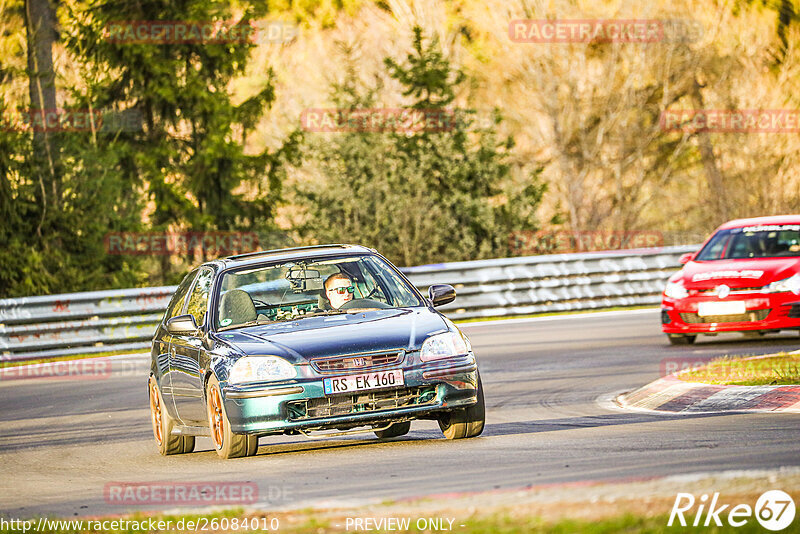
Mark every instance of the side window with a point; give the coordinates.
(399, 293)
(198, 301)
(176, 304)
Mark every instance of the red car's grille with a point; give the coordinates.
(356, 362)
(368, 402)
(733, 289)
(749, 317)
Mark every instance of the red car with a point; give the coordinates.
(745, 278)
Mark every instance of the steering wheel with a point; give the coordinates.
(374, 290)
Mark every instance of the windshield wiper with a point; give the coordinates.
(325, 312)
(248, 323)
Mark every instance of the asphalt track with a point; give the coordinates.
(546, 382)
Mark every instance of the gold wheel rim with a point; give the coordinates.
(155, 412)
(216, 418)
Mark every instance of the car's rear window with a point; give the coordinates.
(761, 241)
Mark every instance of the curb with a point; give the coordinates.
(672, 395)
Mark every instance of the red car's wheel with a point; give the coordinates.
(681, 339)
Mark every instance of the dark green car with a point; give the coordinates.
(319, 341)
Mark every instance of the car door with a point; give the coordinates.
(163, 339)
(185, 353)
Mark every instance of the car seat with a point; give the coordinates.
(237, 306)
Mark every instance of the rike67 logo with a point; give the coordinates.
(774, 510)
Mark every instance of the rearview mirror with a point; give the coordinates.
(686, 258)
(182, 324)
(441, 294)
(302, 280)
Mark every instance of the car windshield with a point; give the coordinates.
(303, 288)
(763, 241)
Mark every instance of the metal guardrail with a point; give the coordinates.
(101, 321)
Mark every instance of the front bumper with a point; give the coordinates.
(274, 409)
(764, 311)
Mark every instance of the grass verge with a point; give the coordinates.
(775, 369)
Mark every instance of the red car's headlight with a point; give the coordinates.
(786, 285)
(675, 290)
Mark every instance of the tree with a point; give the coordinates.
(418, 196)
(41, 35)
(190, 156)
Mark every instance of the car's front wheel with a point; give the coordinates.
(227, 443)
(168, 443)
(465, 422)
(681, 339)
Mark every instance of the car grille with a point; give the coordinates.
(371, 402)
(749, 317)
(733, 289)
(794, 311)
(356, 362)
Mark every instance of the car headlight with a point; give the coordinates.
(675, 290)
(444, 345)
(787, 284)
(260, 369)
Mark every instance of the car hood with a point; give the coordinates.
(298, 341)
(744, 273)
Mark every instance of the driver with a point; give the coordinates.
(339, 289)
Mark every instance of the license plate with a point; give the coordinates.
(367, 381)
(735, 307)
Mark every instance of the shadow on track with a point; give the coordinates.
(591, 421)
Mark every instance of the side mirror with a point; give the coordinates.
(686, 258)
(181, 325)
(441, 294)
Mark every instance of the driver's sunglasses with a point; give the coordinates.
(342, 290)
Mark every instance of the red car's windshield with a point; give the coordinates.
(763, 241)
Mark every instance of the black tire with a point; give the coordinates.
(680, 339)
(465, 422)
(227, 443)
(396, 430)
(163, 425)
(188, 444)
